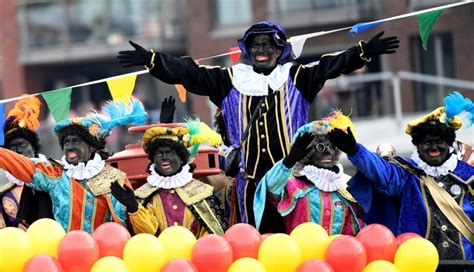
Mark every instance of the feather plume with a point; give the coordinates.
(455, 103)
(338, 120)
(26, 113)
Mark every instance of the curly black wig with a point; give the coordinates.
(24, 133)
(435, 128)
(83, 133)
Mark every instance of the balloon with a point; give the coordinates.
(45, 235)
(212, 253)
(247, 265)
(315, 265)
(417, 255)
(381, 266)
(264, 236)
(279, 253)
(379, 242)
(144, 253)
(178, 242)
(110, 263)
(346, 254)
(404, 237)
(111, 238)
(78, 251)
(43, 263)
(244, 239)
(312, 239)
(15, 249)
(180, 265)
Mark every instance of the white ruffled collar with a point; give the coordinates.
(177, 180)
(18, 182)
(324, 179)
(435, 171)
(248, 82)
(83, 171)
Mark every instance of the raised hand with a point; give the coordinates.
(299, 149)
(377, 46)
(139, 57)
(343, 141)
(125, 196)
(168, 106)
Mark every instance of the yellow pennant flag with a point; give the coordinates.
(122, 88)
(181, 92)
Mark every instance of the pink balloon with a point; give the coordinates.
(180, 265)
(405, 236)
(379, 242)
(346, 254)
(212, 253)
(78, 251)
(111, 238)
(244, 239)
(315, 265)
(43, 263)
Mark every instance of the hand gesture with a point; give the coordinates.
(168, 106)
(139, 57)
(377, 46)
(343, 141)
(299, 149)
(125, 196)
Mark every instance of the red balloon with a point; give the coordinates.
(346, 254)
(111, 238)
(264, 236)
(180, 265)
(212, 253)
(43, 263)
(379, 242)
(244, 239)
(78, 251)
(315, 265)
(405, 236)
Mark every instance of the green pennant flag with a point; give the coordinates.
(59, 102)
(426, 22)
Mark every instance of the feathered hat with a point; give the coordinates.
(112, 114)
(23, 121)
(454, 104)
(192, 134)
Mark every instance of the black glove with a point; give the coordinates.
(343, 141)
(167, 110)
(376, 46)
(299, 149)
(139, 57)
(125, 196)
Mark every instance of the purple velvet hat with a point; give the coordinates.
(273, 29)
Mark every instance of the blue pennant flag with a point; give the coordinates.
(359, 27)
(2, 123)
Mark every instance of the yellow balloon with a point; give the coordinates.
(312, 239)
(416, 255)
(178, 242)
(247, 265)
(279, 253)
(144, 253)
(381, 266)
(45, 235)
(15, 249)
(109, 263)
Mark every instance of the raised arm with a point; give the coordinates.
(18, 165)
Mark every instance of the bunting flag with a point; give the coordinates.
(2, 123)
(59, 102)
(355, 29)
(181, 92)
(235, 54)
(426, 22)
(121, 88)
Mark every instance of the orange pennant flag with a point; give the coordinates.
(181, 92)
(235, 56)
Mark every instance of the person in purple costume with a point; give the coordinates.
(263, 104)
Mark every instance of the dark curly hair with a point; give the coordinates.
(24, 133)
(435, 128)
(97, 143)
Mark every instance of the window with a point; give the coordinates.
(437, 61)
(288, 6)
(231, 12)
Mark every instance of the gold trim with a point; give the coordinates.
(145, 191)
(100, 183)
(284, 125)
(209, 218)
(321, 208)
(466, 182)
(84, 204)
(296, 74)
(283, 148)
(245, 199)
(94, 211)
(71, 204)
(267, 140)
(346, 195)
(459, 233)
(287, 90)
(331, 220)
(428, 211)
(194, 192)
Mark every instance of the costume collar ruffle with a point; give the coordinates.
(83, 171)
(250, 83)
(324, 179)
(435, 171)
(178, 180)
